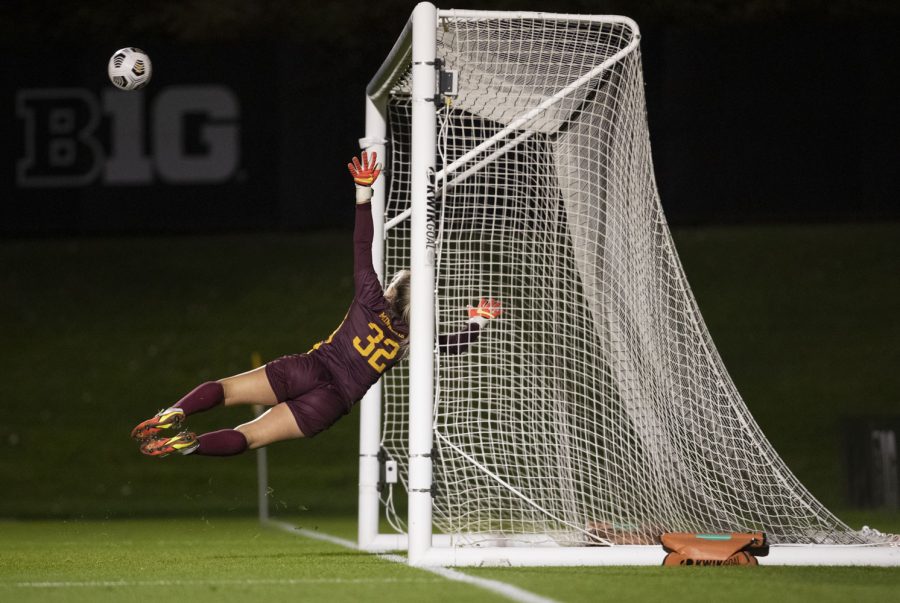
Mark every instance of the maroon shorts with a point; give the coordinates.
(305, 385)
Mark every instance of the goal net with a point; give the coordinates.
(596, 410)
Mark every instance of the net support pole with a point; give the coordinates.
(370, 407)
(421, 348)
(262, 470)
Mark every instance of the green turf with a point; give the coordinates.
(237, 560)
(96, 334)
(197, 561)
(750, 585)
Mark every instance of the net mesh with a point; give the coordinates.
(596, 410)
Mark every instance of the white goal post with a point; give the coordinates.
(595, 413)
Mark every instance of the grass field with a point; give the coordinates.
(237, 560)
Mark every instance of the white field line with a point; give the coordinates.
(225, 582)
(513, 593)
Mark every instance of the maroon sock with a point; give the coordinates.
(225, 442)
(203, 397)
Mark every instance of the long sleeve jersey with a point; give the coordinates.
(368, 341)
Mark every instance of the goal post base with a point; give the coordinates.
(445, 554)
(647, 555)
(384, 543)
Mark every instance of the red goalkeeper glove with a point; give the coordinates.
(364, 175)
(486, 310)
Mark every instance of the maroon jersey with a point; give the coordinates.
(367, 342)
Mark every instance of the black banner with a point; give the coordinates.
(750, 123)
(195, 150)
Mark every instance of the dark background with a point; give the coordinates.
(760, 111)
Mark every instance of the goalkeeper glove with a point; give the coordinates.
(364, 175)
(486, 310)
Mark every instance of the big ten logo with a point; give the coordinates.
(193, 134)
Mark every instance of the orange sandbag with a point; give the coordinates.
(713, 549)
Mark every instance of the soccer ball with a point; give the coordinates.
(129, 68)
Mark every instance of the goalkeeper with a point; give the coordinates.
(308, 392)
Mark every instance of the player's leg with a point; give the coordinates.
(247, 388)
(252, 387)
(275, 425)
(169, 420)
(305, 416)
(298, 378)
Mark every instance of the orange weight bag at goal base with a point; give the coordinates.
(713, 549)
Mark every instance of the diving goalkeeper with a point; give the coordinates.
(308, 392)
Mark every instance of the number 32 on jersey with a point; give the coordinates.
(379, 348)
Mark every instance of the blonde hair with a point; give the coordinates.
(397, 296)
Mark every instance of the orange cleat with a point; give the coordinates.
(184, 443)
(168, 418)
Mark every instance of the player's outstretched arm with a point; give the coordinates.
(479, 316)
(365, 171)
